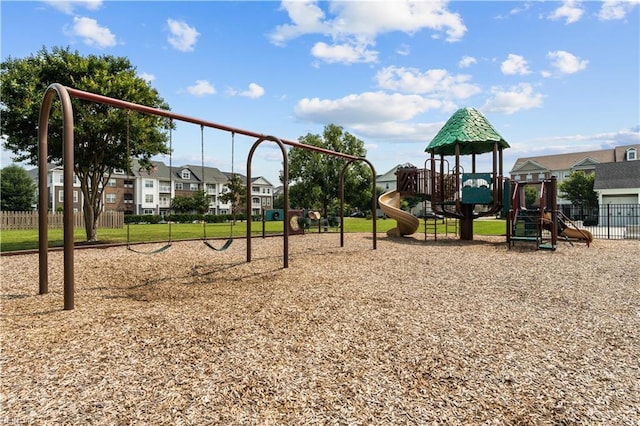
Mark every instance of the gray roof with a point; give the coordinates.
(625, 174)
(569, 160)
(211, 174)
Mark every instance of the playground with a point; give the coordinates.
(453, 331)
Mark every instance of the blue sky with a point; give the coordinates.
(552, 77)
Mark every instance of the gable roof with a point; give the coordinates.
(569, 160)
(624, 174)
(261, 180)
(211, 174)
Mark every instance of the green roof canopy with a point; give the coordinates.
(471, 130)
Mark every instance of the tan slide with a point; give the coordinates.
(579, 234)
(390, 205)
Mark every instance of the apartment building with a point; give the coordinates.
(55, 183)
(150, 190)
(261, 190)
(615, 169)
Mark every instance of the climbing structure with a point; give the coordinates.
(452, 192)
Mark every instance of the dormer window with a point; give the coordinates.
(186, 174)
(632, 154)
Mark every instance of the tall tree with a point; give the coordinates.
(106, 138)
(17, 189)
(315, 177)
(578, 189)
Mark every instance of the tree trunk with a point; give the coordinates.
(90, 223)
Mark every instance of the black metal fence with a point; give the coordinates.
(606, 221)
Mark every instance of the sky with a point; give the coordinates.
(551, 77)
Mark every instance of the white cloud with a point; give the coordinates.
(201, 88)
(254, 91)
(368, 107)
(344, 53)
(147, 77)
(566, 63)
(354, 26)
(615, 10)
(437, 82)
(515, 64)
(513, 100)
(92, 33)
(570, 11)
(183, 37)
(467, 61)
(403, 50)
(69, 7)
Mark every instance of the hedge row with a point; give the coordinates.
(185, 218)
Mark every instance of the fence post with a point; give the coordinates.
(608, 221)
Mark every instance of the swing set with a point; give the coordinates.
(65, 94)
(227, 243)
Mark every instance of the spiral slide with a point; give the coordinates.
(390, 205)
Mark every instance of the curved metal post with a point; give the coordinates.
(285, 184)
(43, 201)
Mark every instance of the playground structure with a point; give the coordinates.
(540, 223)
(465, 196)
(65, 94)
(452, 192)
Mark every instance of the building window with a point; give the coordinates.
(148, 198)
(111, 183)
(128, 198)
(194, 186)
(148, 183)
(529, 177)
(516, 178)
(186, 174)
(632, 154)
(118, 171)
(541, 177)
(75, 196)
(61, 197)
(111, 198)
(179, 186)
(128, 184)
(148, 211)
(256, 201)
(255, 189)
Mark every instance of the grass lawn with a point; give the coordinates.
(14, 240)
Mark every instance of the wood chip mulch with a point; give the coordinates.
(415, 332)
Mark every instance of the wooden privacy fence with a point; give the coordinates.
(29, 220)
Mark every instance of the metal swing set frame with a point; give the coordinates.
(65, 94)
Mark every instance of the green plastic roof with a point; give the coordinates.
(469, 128)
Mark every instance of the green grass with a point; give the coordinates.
(14, 240)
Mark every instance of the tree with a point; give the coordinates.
(530, 196)
(578, 189)
(236, 191)
(106, 138)
(315, 177)
(17, 189)
(198, 202)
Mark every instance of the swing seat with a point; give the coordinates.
(223, 248)
(160, 250)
